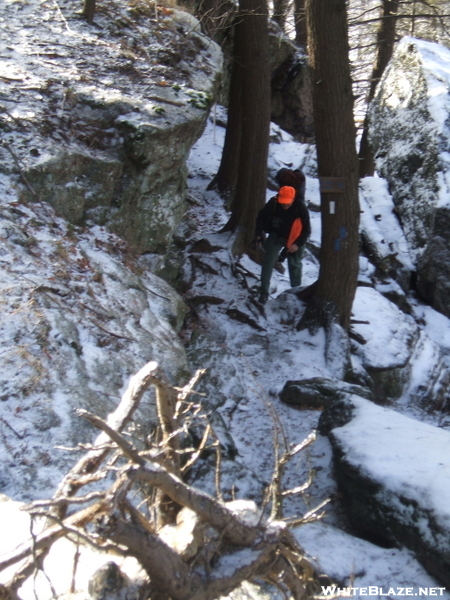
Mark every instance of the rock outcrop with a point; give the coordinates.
(110, 133)
(383, 240)
(410, 135)
(76, 321)
(394, 478)
(395, 353)
(292, 106)
(319, 392)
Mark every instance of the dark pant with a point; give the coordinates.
(272, 247)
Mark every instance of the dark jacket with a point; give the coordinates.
(273, 218)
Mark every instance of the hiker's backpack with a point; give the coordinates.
(294, 178)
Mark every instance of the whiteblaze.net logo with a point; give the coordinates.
(374, 590)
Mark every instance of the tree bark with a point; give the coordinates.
(226, 178)
(249, 116)
(89, 11)
(280, 12)
(301, 36)
(385, 48)
(337, 158)
(250, 194)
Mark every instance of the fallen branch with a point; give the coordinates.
(117, 420)
(208, 509)
(219, 550)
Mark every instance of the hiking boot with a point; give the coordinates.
(263, 297)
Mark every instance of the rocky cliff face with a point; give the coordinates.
(96, 125)
(100, 123)
(410, 135)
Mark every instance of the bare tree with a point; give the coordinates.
(332, 295)
(119, 516)
(385, 48)
(243, 170)
(300, 23)
(89, 10)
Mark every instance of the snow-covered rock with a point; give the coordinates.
(383, 239)
(398, 356)
(100, 125)
(358, 567)
(387, 338)
(76, 323)
(319, 392)
(394, 473)
(409, 131)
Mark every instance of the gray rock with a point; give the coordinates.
(73, 335)
(386, 346)
(319, 392)
(292, 106)
(383, 240)
(122, 161)
(392, 474)
(410, 136)
(401, 360)
(108, 580)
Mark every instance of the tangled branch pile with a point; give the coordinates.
(192, 546)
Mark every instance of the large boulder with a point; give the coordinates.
(410, 136)
(76, 323)
(384, 343)
(401, 360)
(108, 140)
(292, 107)
(393, 473)
(383, 240)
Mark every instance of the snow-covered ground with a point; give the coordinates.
(254, 365)
(247, 365)
(247, 362)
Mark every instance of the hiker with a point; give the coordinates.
(286, 219)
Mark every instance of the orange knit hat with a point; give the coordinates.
(286, 195)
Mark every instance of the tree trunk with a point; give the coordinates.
(301, 37)
(385, 48)
(252, 51)
(226, 178)
(89, 11)
(280, 12)
(336, 154)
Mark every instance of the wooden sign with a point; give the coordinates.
(332, 185)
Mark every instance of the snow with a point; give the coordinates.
(251, 404)
(247, 364)
(410, 458)
(362, 563)
(379, 222)
(388, 332)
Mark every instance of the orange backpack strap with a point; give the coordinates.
(296, 230)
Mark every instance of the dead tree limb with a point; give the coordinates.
(208, 509)
(166, 569)
(139, 383)
(221, 548)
